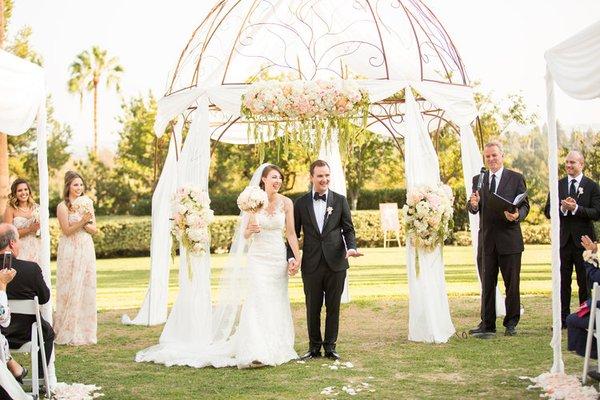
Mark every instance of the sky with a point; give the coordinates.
(501, 43)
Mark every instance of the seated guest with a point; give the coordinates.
(577, 323)
(19, 372)
(27, 283)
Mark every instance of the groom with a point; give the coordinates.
(325, 218)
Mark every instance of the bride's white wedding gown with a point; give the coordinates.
(265, 331)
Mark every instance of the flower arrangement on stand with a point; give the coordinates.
(428, 215)
(192, 217)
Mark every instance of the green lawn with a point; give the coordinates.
(381, 273)
(373, 336)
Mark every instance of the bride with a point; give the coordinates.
(251, 323)
(265, 335)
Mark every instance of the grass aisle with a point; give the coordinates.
(373, 336)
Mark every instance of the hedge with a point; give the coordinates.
(130, 236)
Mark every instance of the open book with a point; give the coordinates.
(500, 204)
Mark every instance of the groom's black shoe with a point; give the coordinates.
(511, 330)
(480, 329)
(310, 354)
(332, 355)
(482, 332)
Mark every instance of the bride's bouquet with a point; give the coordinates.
(252, 200)
(428, 215)
(192, 217)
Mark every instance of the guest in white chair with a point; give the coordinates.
(28, 283)
(18, 371)
(577, 323)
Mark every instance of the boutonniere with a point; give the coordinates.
(579, 191)
(329, 210)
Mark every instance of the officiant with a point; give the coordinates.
(500, 243)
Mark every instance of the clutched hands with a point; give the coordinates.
(293, 266)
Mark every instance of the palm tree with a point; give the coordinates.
(90, 69)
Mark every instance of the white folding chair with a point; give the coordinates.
(593, 331)
(32, 307)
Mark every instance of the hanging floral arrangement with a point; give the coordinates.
(305, 111)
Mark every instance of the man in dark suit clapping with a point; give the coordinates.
(28, 283)
(579, 198)
(500, 240)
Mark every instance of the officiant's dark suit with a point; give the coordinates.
(328, 233)
(500, 242)
(573, 225)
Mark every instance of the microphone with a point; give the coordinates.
(480, 180)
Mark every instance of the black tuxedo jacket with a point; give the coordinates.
(588, 210)
(337, 235)
(494, 228)
(27, 283)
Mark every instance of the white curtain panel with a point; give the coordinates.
(22, 89)
(23, 102)
(330, 152)
(574, 65)
(189, 323)
(154, 307)
(429, 313)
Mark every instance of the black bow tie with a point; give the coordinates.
(318, 196)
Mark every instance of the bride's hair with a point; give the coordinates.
(266, 171)
(70, 176)
(12, 196)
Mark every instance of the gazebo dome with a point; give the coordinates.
(312, 39)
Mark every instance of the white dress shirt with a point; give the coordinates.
(577, 183)
(498, 175)
(320, 208)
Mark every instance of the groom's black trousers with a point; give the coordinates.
(323, 283)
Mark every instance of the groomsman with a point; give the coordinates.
(500, 240)
(579, 205)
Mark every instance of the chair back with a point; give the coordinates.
(592, 334)
(27, 307)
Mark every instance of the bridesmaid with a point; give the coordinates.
(75, 321)
(23, 213)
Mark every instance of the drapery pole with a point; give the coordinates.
(557, 364)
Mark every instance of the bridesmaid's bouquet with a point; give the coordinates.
(83, 204)
(428, 215)
(35, 216)
(192, 217)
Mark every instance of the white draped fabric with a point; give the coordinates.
(429, 314)
(575, 67)
(154, 307)
(23, 101)
(188, 324)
